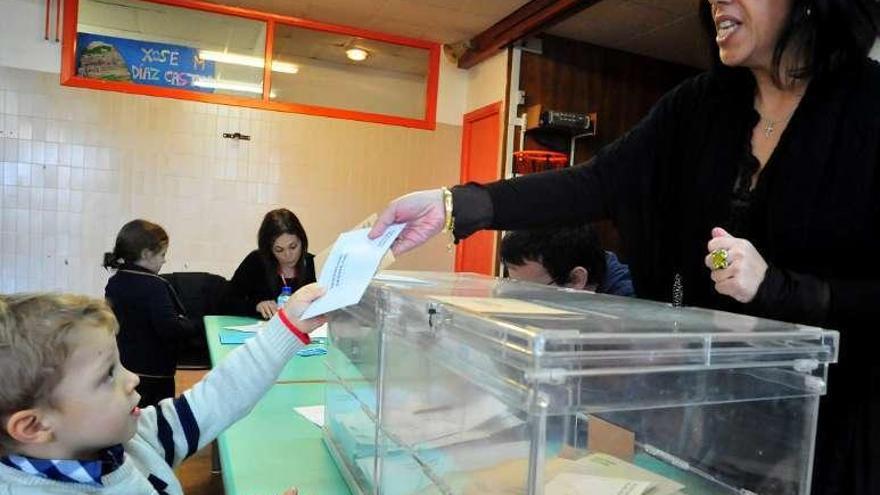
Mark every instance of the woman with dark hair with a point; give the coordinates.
(280, 261)
(152, 320)
(754, 188)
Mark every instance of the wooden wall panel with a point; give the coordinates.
(620, 87)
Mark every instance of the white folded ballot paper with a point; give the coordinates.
(350, 266)
(254, 327)
(585, 484)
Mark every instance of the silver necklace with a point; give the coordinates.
(771, 124)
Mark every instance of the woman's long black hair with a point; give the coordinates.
(825, 35)
(276, 223)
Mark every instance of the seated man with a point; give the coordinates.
(568, 257)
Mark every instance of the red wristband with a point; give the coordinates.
(304, 337)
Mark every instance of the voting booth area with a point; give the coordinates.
(443, 383)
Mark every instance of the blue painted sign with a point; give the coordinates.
(141, 62)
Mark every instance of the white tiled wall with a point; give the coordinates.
(77, 164)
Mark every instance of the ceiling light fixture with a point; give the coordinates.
(357, 54)
(246, 60)
(241, 87)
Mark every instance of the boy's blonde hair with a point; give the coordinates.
(34, 344)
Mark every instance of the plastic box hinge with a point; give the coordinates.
(551, 376)
(806, 365)
(812, 383)
(815, 384)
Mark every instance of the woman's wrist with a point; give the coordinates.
(449, 222)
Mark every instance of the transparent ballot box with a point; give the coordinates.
(464, 384)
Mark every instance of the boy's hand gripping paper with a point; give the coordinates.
(351, 265)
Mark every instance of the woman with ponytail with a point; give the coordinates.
(152, 320)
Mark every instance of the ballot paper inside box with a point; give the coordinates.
(444, 383)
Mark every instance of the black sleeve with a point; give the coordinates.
(595, 190)
(167, 318)
(804, 298)
(790, 296)
(248, 285)
(471, 209)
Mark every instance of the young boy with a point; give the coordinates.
(70, 421)
(568, 257)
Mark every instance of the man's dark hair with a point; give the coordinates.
(558, 250)
(825, 34)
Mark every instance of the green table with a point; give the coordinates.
(273, 448)
(298, 370)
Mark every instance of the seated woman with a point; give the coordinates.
(280, 260)
(152, 320)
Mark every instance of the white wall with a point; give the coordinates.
(451, 93)
(875, 52)
(22, 26)
(487, 82)
(76, 164)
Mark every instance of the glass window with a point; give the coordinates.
(216, 53)
(328, 69)
(153, 44)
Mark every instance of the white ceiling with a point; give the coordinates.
(664, 29)
(443, 21)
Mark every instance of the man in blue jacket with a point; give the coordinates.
(567, 257)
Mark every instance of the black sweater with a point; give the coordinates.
(814, 218)
(151, 320)
(257, 280)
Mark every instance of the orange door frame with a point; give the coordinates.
(70, 78)
(477, 253)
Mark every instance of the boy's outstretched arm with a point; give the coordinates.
(178, 427)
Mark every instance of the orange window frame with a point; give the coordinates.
(70, 78)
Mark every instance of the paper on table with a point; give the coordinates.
(234, 336)
(254, 327)
(435, 425)
(601, 464)
(500, 305)
(315, 414)
(352, 263)
(584, 484)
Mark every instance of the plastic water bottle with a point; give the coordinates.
(284, 296)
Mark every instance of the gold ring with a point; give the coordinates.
(719, 258)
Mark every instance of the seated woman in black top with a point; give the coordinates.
(281, 260)
(152, 320)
